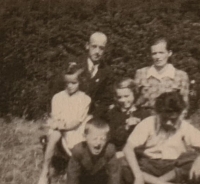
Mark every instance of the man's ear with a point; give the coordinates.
(87, 45)
(170, 53)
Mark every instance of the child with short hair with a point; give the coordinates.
(167, 145)
(68, 114)
(94, 161)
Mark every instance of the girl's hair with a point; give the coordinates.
(75, 69)
(170, 102)
(126, 83)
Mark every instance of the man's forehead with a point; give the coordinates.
(99, 38)
(161, 43)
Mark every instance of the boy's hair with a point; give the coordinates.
(170, 102)
(160, 39)
(97, 123)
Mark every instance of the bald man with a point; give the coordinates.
(96, 47)
(96, 72)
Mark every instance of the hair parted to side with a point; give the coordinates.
(160, 39)
(170, 102)
(73, 68)
(97, 123)
(126, 82)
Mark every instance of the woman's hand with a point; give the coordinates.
(131, 121)
(195, 170)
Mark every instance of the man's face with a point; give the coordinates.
(72, 83)
(169, 120)
(96, 139)
(125, 98)
(160, 54)
(96, 47)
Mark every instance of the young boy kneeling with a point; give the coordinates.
(167, 143)
(94, 161)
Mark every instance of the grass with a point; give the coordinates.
(21, 154)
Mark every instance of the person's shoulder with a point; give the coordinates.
(148, 122)
(141, 113)
(186, 125)
(142, 71)
(78, 150)
(105, 69)
(150, 119)
(84, 96)
(59, 95)
(181, 73)
(110, 150)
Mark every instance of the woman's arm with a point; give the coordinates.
(133, 163)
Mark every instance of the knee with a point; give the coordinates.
(54, 137)
(126, 175)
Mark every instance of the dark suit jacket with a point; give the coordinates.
(98, 87)
(83, 168)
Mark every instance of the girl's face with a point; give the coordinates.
(125, 98)
(71, 83)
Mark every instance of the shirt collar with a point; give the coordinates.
(92, 68)
(168, 71)
(129, 111)
(91, 64)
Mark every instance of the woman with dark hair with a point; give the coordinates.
(168, 145)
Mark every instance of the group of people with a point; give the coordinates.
(141, 137)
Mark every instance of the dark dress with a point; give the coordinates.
(117, 122)
(119, 135)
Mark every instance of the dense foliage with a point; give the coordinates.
(37, 37)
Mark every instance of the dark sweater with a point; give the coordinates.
(84, 168)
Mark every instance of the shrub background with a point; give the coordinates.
(38, 37)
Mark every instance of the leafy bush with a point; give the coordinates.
(38, 37)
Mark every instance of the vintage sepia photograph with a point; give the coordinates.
(100, 92)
